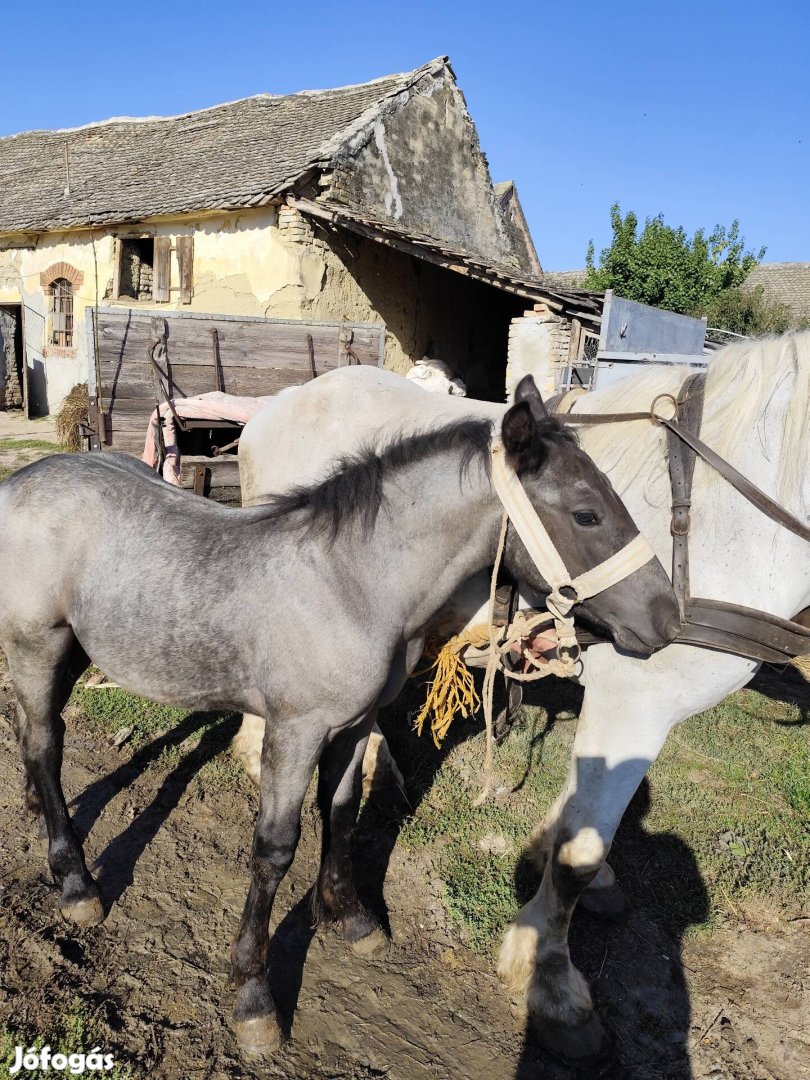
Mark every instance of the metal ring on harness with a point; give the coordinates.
(569, 654)
(656, 419)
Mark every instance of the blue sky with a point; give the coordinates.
(697, 110)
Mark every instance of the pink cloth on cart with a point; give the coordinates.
(213, 406)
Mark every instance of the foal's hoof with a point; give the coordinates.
(86, 911)
(373, 944)
(608, 903)
(259, 1035)
(577, 1042)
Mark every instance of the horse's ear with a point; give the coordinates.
(527, 391)
(523, 445)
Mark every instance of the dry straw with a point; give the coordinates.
(72, 413)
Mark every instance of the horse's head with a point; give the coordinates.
(587, 522)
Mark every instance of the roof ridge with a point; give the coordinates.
(766, 265)
(405, 78)
(354, 127)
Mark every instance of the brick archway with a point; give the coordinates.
(61, 270)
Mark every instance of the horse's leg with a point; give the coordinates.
(610, 759)
(509, 713)
(339, 790)
(380, 773)
(383, 783)
(289, 756)
(603, 897)
(78, 662)
(32, 802)
(44, 670)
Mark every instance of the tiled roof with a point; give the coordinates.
(785, 283)
(564, 279)
(226, 157)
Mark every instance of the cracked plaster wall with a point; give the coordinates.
(271, 262)
(421, 167)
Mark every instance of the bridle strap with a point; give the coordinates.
(543, 553)
(525, 520)
(774, 510)
(681, 470)
(615, 569)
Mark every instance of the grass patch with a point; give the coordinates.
(722, 819)
(77, 1032)
(28, 444)
(110, 710)
(734, 783)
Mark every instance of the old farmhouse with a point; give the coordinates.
(358, 224)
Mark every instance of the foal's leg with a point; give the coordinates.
(78, 662)
(611, 756)
(43, 670)
(289, 756)
(32, 802)
(339, 789)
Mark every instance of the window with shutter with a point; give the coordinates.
(134, 271)
(162, 275)
(143, 268)
(185, 266)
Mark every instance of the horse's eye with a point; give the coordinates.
(586, 517)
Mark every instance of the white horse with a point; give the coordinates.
(756, 404)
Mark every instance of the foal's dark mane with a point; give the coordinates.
(353, 492)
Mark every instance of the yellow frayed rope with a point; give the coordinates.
(452, 689)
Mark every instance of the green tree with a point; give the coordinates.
(748, 312)
(699, 275)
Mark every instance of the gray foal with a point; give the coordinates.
(187, 603)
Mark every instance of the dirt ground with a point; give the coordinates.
(172, 858)
(171, 853)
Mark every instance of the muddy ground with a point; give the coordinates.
(170, 848)
(172, 855)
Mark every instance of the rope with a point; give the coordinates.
(452, 689)
(566, 664)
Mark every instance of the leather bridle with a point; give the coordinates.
(714, 624)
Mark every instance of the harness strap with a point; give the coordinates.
(755, 495)
(681, 470)
(714, 624)
(774, 510)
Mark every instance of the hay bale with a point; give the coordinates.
(72, 413)
(803, 664)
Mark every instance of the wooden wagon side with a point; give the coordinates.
(244, 356)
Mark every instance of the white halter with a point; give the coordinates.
(544, 554)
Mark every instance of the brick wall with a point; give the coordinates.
(539, 343)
